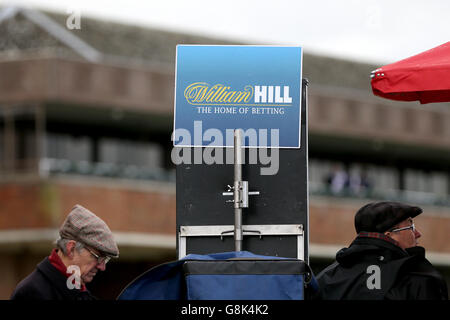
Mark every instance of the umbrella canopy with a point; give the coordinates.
(424, 77)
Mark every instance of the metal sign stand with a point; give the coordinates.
(277, 222)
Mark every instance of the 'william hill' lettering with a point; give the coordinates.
(201, 93)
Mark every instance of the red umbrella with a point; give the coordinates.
(424, 77)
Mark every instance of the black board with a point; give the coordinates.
(283, 199)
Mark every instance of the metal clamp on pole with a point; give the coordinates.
(243, 194)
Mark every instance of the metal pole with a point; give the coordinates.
(237, 185)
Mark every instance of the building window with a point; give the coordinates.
(62, 146)
(352, 179)
(421, 181)
(318, 171)
(353, 112)
(437, 125)
(130, 153)
(322, 109)
(2, 142)
(409, 120)
(381, 117)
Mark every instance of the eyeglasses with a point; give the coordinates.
(412, 227)
(100, 260)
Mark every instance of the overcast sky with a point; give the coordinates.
(375, 31)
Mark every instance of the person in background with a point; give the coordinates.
(338, 180)
(85, 246)
(384, 262)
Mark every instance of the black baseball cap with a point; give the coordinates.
(382, 216)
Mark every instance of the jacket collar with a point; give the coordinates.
(56, 261)
(377, 235)
(370, 244)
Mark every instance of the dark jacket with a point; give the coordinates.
(402, 274)
(47, 283)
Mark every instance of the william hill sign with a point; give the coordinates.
(248, 87)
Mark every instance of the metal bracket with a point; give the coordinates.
(243, 231)
(248, 230)
(242, 194)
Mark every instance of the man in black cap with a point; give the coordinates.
(85, 245)
(384, 261)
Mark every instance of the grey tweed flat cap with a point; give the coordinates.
(84, 226)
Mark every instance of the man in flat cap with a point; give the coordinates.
(85, 245)
(384, 262)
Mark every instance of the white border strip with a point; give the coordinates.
(132, 239)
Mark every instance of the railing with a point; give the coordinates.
(408, 196)
(50, 167)
(18, 166)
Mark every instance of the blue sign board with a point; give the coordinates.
(222, 88)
